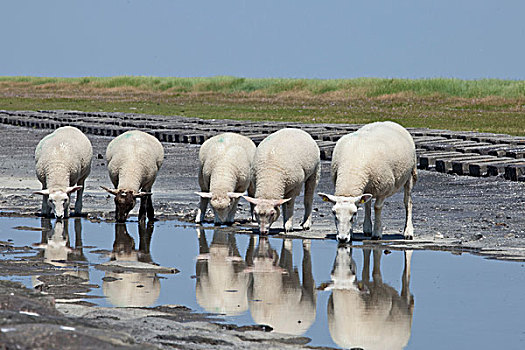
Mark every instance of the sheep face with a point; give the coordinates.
(58, 200)
(223, 204)
(221, 207)
(125, 201)
(345, 213)
(266, 211)
(59, 203)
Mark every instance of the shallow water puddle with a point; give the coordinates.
(341, 297)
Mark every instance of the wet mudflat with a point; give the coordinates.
(359, 296)
(457, 300)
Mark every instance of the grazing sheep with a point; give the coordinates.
(224, 175)
(376, 160)
(368, 314)
(284, 161)
(133, 159)
(63, 162)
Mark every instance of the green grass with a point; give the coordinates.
(367, 87)
(478, 105)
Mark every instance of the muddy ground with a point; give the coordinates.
(484, 216)
(461, 213)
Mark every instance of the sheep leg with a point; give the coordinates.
(78, 200)
(377, 233)
(201, 212)
(286, 260)
(143, 209)
(250, 251)
(149, 208)
(231, 215)
(408, 232)
(309, 189)
(251, 193)
(365, 275)
(367, 224)
(46, 208)
(405, 282)
(204, 183)
(376, 271)
(288, 209)
(308, 277)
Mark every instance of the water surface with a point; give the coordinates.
(340, 297)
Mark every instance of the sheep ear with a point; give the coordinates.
(204, 194)
(42, 192)
(363, 199)
(73, 189)
(252, 200)
(326, 286)
(113, 192)
(280, 201)
(234, 195)
(327, 197)
(142, 194)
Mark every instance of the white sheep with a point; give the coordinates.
(284, 161)
(376, 160)
(224, 175)
(133, 159)
(63, 162)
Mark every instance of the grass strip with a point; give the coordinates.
(487, 105)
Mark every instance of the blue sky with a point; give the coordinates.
(465, 39)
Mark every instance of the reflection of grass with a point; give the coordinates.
(483, 105)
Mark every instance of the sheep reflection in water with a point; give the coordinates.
(368, 314)
(57, 251)
(131, 289)
(276, 296)
(222, 282)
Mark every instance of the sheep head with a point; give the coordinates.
(59, 199)
(125, 201)
(221, 203)
(266, 211)
(345, 210)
